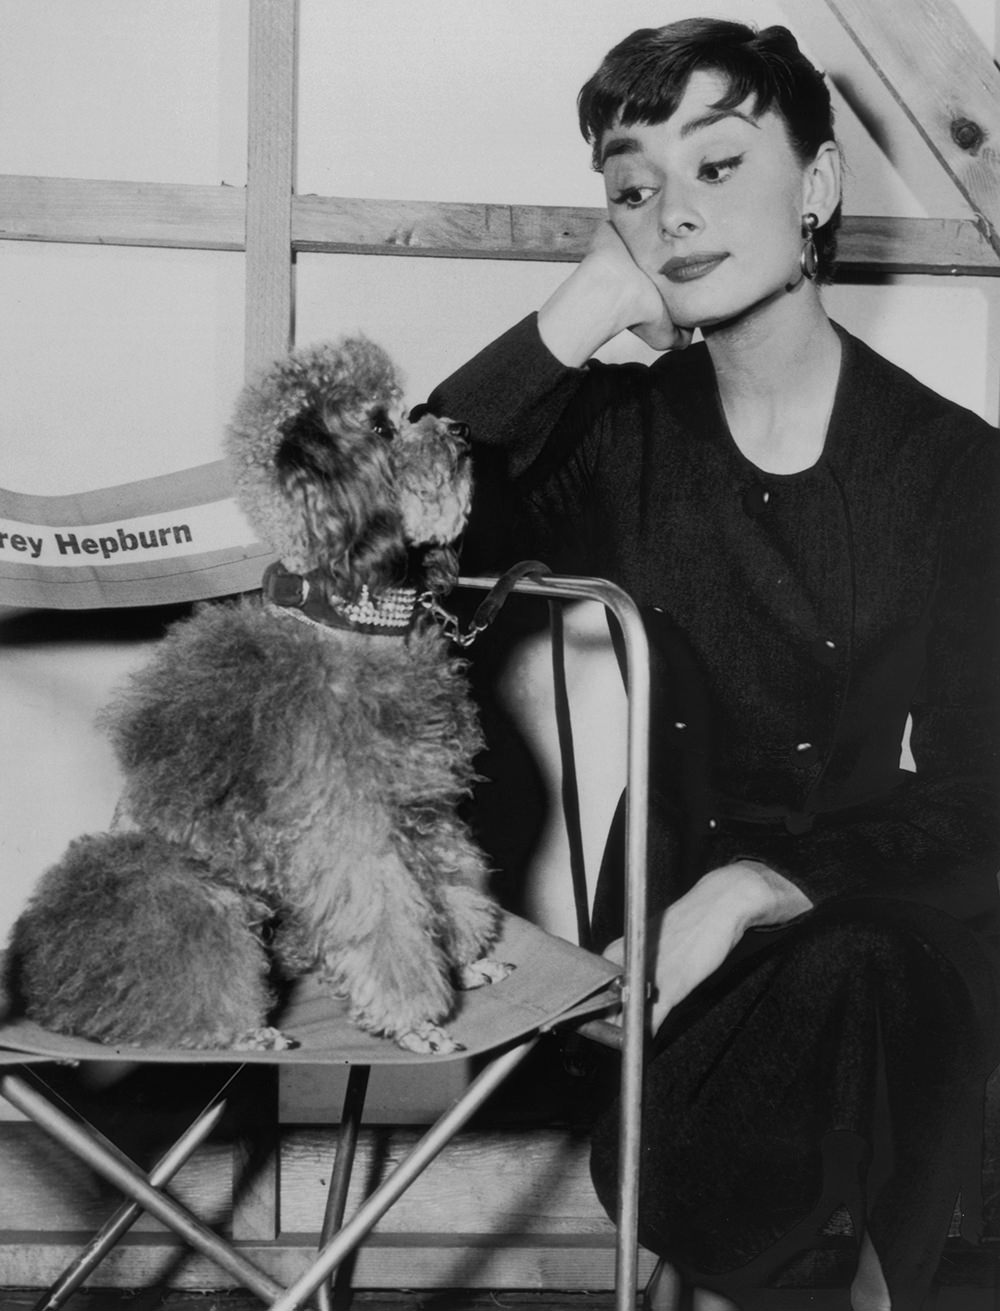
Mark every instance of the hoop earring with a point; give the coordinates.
(809, 256)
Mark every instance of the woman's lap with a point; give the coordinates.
(768, 1091)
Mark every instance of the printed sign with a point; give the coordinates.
(179, 537)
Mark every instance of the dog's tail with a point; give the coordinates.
(130, 939)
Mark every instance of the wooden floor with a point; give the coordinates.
(785, 1299)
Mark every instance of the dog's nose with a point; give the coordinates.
(459, 430)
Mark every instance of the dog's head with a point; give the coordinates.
(337, 482)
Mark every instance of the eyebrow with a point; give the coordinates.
(628, 145)
(715, 116)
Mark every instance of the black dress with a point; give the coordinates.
(796, 621)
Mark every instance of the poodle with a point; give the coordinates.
(294, 762)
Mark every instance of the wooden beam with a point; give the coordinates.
(947, 84)
(509, 1261)
(870, 244)
(270, 178)
(500, 1208)
(256, 1178)
(535, 232)
(211, 218)
(451, 230)
(122, 213)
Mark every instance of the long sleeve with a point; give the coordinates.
(512, 394)
(531, 417)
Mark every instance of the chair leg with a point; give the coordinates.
(115, 1228)
(430, 1146)
(340, 1180)
(122, 1173)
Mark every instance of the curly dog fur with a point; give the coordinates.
(292, 782)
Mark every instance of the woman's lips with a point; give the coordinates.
(686, 268)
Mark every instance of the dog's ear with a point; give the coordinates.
(336, 473)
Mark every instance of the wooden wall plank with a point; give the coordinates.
(453, 229)
(91, 211)
(533, 1181)
(256, 1175)
(946, 82)
(561, 233)
(270, 178)
(467, 1261)
(46, 1189)
(875, 244)
(504, 1208)
(212, 218)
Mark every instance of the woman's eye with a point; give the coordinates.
(632, 197)
(719, 170)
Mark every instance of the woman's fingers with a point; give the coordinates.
(646, 314)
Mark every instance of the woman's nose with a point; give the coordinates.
(677, 215)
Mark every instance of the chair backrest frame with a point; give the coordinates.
(635, 991)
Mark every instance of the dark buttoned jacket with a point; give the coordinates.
(799, 621)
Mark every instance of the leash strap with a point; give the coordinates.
(490, 606)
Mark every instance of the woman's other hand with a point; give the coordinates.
(606, 293)
(694, 935)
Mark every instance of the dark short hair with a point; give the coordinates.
(644, 77)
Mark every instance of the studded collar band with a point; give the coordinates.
(392, 613)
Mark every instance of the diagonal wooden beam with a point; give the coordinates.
(943, 78)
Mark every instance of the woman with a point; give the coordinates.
(811, 535)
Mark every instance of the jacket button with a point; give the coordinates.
(806, 753)
(756, 500)
(827, 651)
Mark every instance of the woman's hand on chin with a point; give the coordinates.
(606, 294)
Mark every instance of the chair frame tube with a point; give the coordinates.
(118, 1225)
(430, 1145)
(343, 1165)
(634, 993)
(123, 1174)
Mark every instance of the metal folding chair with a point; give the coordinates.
(555, 985)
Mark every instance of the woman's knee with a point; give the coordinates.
(858, 943)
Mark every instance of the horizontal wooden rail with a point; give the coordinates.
(214, 218)
(556, 233)
(122, 213)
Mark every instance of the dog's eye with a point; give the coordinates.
(380, 421)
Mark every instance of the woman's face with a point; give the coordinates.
(710, 202)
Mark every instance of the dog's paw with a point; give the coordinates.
(264, 1039)
(429, 1040)
(478, 973)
